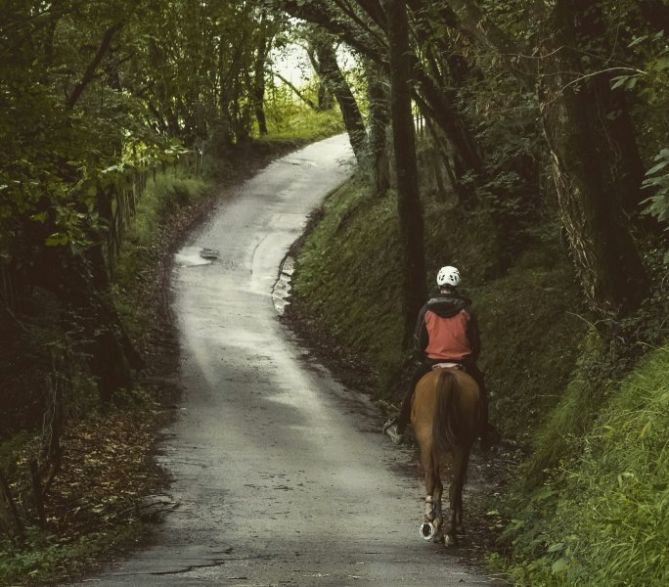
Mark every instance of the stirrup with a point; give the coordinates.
(388, 423)
(394, 434)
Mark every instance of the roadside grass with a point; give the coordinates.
(44, 561)
(168, 202)
(347, 277)
(300, 123)
(603, 517)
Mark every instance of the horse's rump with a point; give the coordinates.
(448, 401)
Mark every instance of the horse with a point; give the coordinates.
(445, 416)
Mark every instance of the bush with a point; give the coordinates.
(605, 520)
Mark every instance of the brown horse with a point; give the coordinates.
(446, 417)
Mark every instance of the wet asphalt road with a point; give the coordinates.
(281, 476)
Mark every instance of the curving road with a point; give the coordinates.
(280, 474)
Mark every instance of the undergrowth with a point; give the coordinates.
(602, 517)
(298, 122)
(167, 199)
(92, 507)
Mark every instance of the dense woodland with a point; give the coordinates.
(546, 118)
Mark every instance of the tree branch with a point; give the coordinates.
(476, 23)
(292, 86)
(89, 74)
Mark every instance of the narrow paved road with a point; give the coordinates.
(281, 475)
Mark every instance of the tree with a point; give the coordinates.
(595, 163)
(324, 58)
(377, 95)
(404, 142)
(265, 35)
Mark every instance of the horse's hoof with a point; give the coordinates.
(427, 531)
(449, 540)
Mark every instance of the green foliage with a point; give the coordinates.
(650, 79)
(46, 559)
(104, 87)
(560, 438)
(9, 448)
(605, 520)
(657, 181)
(292, 121)
(164, 196)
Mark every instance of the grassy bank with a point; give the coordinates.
(602, 518)
(298, 122)
(589, 502)
(348, 280)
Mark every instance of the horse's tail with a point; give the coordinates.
(445, 426)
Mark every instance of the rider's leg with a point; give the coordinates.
(405, 411)
(488, 433)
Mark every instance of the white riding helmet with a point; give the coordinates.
(448, 275)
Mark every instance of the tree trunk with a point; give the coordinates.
(404, 141)
(264, 44)
(324, 100)
(378, 125)
(109, 350)
(328, 70)
(593, 170)
(438, 107)
(79, 283)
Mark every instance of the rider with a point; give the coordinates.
(446, 331)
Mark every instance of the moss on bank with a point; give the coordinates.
(347, 277)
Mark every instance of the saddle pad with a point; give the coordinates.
(447, 366)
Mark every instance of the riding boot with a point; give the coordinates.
(488, 433)
(405, 411)
(395, 427)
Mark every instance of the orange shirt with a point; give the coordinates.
(447, 337)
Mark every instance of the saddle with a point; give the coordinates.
(448, 365)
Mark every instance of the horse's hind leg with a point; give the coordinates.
(460, 461)
(462, 474)
(431, 524)
(437, 493)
